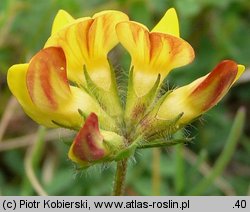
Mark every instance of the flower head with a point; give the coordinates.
(70, 83)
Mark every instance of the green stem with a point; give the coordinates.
(31, 163)
(156, 172)
(162, 143)
(180, 170)
(119, 183)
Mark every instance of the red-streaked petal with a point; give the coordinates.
(102, 35)
(215, 85)
(135, 38)
(74, 42)
(47, 78)
(66, 115)
(168, 52)
(86, 42)
(16, 79)
(152, 53)
(201, 95)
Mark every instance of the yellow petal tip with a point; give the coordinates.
(62, 18)
(241, 69)
(169, 23)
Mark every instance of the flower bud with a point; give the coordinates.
(92, 145)
(199, 96)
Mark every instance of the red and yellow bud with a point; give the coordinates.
(88, 145)
(92, 145)
(201, 95)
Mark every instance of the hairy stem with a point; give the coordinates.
(119, 183)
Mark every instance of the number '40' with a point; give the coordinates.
(241, 204)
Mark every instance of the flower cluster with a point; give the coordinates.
(70, 83)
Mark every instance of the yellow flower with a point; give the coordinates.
(43, 86)
(199, 96)
(86, 42)
(42, 89)
(154, 52)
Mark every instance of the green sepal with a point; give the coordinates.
(64, 126)
(113, 142)
(82, 114)
(126, 153)
(164, 143)
(136, 107)
(67, 143)
(107, 99)
(129, 150)
(159, 102)
(154, 128)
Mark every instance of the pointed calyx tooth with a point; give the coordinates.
(83, 115)
(153, 128)
(107, 99)
(137, 107)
